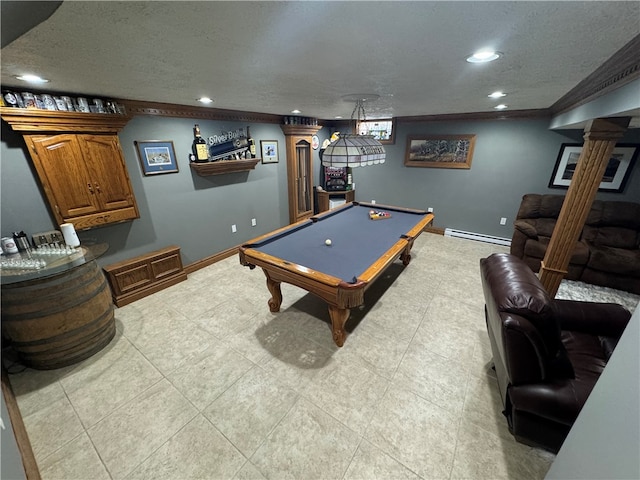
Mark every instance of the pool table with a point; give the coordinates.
(359, 252)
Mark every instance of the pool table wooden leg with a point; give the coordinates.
(276, 294)
(339, 317)
(406, 254)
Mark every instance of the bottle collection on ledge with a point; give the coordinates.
(60, 103)
(309, 121)
(231, 145)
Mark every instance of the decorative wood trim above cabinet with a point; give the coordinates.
(32, 120)
(303, 130)
(224, 166)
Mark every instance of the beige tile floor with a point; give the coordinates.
(203, 382)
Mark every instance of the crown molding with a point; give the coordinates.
(621, 68)
(136, 107)
(495, 115)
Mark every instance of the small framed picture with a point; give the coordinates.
(156, 157)
(269, 149)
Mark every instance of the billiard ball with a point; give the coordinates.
(327, 241)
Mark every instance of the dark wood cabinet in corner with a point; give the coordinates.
(79, 163)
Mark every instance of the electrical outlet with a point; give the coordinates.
(430, 209)
(503, 221)
(373, 202)
(253, 222)
(233, 228)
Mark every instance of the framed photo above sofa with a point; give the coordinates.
(615, 176)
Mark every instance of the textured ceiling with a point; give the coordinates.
(272, 57)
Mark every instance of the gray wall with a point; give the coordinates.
(511, 158)
(181, 208)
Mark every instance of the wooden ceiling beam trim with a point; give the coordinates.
(495, 115)
(623, 67)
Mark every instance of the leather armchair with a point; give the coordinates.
(548, 354)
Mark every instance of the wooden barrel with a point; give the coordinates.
(59, 320)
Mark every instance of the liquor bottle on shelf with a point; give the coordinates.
(252, 143)
(200, 149)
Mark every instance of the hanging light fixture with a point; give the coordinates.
(355, 150)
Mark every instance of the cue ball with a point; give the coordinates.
(327, 241)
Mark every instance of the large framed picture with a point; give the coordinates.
(439, 151)
(269, 149)
(615, 176)
(156, 157)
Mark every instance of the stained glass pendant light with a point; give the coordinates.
(355, 150)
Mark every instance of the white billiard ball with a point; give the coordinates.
(327, 241)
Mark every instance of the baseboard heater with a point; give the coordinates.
(479, 237)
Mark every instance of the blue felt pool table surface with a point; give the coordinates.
(357, 241)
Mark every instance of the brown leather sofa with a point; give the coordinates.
(607, 252)
(547, 354)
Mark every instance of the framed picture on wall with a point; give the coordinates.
(615, 176)
(269, 149)
(439, 151)
(156, 157)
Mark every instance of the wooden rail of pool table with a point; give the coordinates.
(340, 296)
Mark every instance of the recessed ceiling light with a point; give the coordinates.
(296, 111)
(482, 56)
(32, 78)
(205, 100)
(502, 106)
(338, 117)
(497, 95)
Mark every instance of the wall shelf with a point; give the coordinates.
(222, 167)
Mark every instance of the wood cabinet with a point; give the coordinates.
(79, 164)
(325, 197)
(299, 170)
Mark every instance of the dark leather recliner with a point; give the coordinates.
(548, 354)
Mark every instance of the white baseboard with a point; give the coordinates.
(480, 237)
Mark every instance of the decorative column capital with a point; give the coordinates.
(606, 128)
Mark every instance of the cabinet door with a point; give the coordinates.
(304, 179)
(65, 178)
(109, 174)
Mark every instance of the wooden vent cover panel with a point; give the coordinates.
(133, 279)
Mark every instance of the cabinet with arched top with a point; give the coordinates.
(298, 140)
